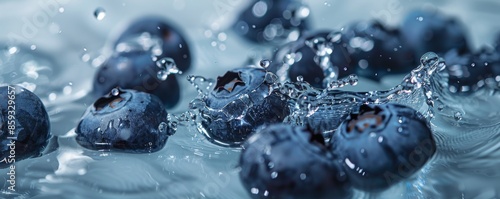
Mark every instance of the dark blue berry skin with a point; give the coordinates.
(467, 72)
(29, 122)
(125, 121)
(174, 43)
(135, 70)
(284, 161)
(274, 20)
(376, 50)
(381, 145)
(436, 32)
(497, 43)
(306, 59)
(230, 117)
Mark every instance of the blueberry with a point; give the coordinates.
(468, 72)
(283, 161)
(497, 43)
(431, 30)
(272, 21)
(173, 41)
(377, 50)
(135, 70)
(126, 121)
(241, 101)
(24, 125)
(305, 56)
(383, 144)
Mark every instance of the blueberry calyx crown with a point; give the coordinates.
(114, 100)
(368, 118)
(229, 82)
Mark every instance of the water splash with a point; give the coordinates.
(167, 66)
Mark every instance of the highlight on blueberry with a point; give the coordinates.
(241, 100)
(431, 30)
(284, 161)
(472, 71)
(380, 145)
(273, 21)
(376, 50)
(172, 41)
(136, 70)
(24, 125)
(126, 121)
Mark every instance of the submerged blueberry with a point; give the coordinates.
(24, 125)
(172, 40)
(241, 101)
(283, 161)
(314, 57)
(376, 50)
(383, 144)
(125, 120)
(272, 21)
(470, 72)
(135, 70)
(431, 30)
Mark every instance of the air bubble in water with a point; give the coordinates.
(99, 13)
(167, 66)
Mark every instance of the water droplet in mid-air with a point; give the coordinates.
(99, 13)
(458, 116)
(264, 63)
(115, 92)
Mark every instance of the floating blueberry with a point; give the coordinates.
(283, 161)
(125, 120)
(241, 101)
(172, 40)
(377, 50)
(135, 70)
(431, 30)
(24, 125)
(314, 57)
(382, 145)
(470, 72)
(273, 21)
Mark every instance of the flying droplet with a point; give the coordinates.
(162, 127)
(264, 63)
(458, 116)
(99, 13)
(115, 92)
(300, 78)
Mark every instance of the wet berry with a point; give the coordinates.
(380, 145)
(283, 161)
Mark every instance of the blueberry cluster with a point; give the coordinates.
(136, 60)
(369, 48)
(134, 87)
(373, 149)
